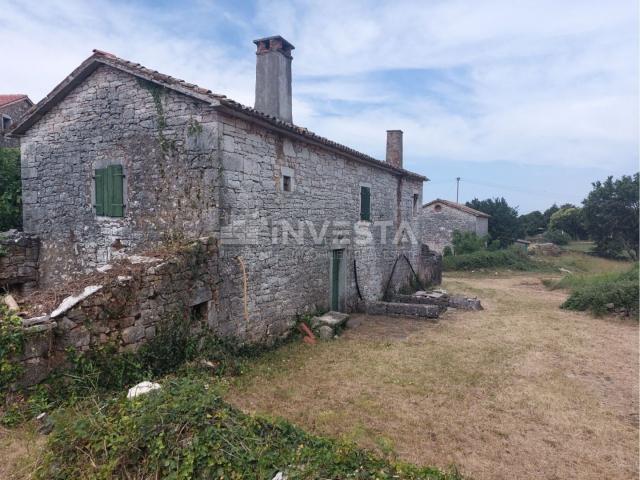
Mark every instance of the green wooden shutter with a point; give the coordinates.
(365, 203)
(115, 193)
(100, 178)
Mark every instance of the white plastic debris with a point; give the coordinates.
(280, 476)
(142, 388)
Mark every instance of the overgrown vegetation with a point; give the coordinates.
(10, 189)
(602, 292)
(504, 226)
(11, 345)
(186, 431)
(513, 258)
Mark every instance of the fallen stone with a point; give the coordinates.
(30, 322)
(104, 268)
(331, 319)
(325, 332)
(73, 300)
(11, 303)
(142, 388)
(464, 303)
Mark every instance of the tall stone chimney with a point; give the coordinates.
(273, 77)
(394, 148)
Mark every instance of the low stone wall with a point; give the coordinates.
(430, 312)
(19, 253)
(126, 310)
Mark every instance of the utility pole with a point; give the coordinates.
(457, 188)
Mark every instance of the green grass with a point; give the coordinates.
(595, 291)
(186, 431)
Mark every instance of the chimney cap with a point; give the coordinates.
(274, 42)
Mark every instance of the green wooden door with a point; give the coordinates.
(335, 279)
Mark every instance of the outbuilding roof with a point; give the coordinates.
(220, 102)
(9, 98)
(458, 206)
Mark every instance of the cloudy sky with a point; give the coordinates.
(530, 100)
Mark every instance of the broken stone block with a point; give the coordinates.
(325, 332)
(142, 388)
(331, 319)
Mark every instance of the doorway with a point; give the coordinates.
(336, 268)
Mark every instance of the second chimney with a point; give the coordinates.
(394, 148)
(273, 77)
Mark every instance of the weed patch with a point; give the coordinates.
(186, 431)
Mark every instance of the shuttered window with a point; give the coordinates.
(365, 203)
(109, 191)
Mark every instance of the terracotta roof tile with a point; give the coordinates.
(6, 99)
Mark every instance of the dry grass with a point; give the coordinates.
(519, 390)
(20, 450)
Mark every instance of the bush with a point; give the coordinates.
(11, 346)
(513, 258)
(558, 237)
(594, 293)
(447, 252)
(467, 242)
(186, 431)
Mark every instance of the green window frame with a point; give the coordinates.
(109, 183)
(365, 203)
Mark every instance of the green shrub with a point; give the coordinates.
(11, 346)
(595, 292)
(467, 242)
(447, 252)
(10, 189)
(558, 237)
(186, 431)
(513, 258)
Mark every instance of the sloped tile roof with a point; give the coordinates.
(220, 102)
(458, 206)
(6, 99)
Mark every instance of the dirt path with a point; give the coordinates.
(522, 389)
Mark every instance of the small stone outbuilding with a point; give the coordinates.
(12, 108)
(440, 218)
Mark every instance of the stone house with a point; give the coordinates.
(440, 218)
(119, 157)
(12, 108)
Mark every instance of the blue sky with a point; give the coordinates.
(530, 100)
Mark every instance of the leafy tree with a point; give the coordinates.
(467, 242)
(611, 215)
(10, 189)
(569, 220)
(503, 224)
(548, 212)
(533, 222)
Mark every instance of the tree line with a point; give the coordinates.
(608, 216)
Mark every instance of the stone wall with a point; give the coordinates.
(289, 278)
(437, 227)
(192, 171)
(18, 260)
(166, 143)
(127, 310)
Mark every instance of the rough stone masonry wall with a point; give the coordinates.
(167, 144)
(290, 279)
(437, 227)
(18, 260)
(128, 310)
